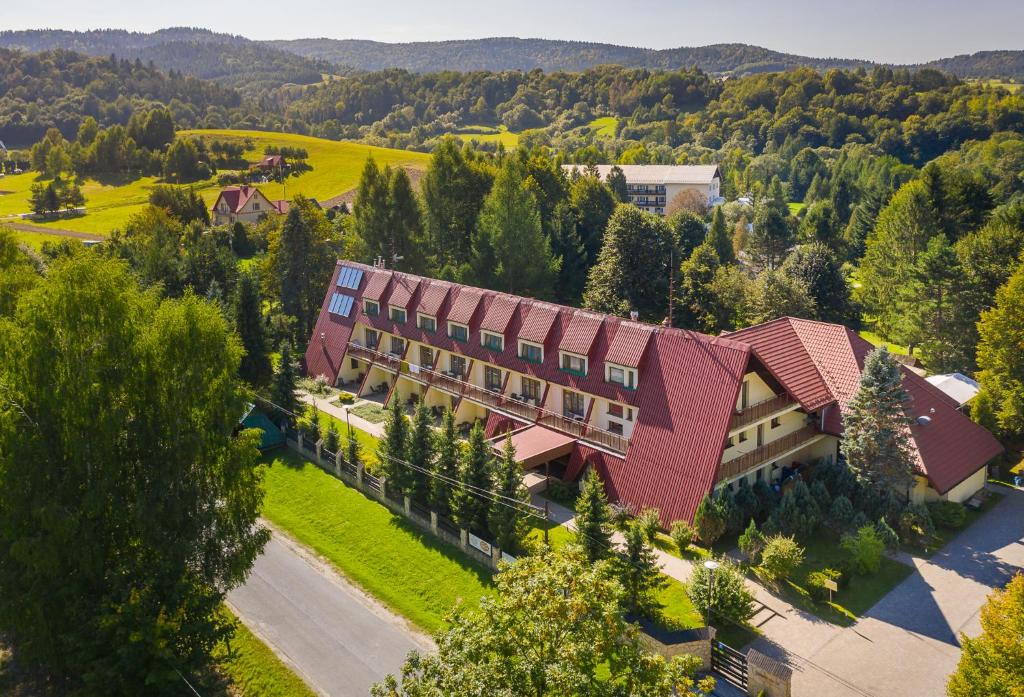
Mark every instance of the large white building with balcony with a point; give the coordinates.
(652, 187)
(663, 416)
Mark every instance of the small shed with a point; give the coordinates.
(270, 435)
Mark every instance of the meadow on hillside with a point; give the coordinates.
(336, 167)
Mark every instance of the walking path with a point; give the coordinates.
(343, 413)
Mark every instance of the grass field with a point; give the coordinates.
(35, 239)
(795, 208)
(877, 340)
(253, 670)
(604, 127)
(411, 572)
(336, 169)
(489, 134)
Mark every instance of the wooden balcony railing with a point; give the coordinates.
(767, 452)
(496, 400)
(761, 410)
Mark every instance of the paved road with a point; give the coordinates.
(336, 638)
(24, 227)
(908, 643)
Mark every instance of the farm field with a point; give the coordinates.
(604, 127)
(336, 169)
(489, 134)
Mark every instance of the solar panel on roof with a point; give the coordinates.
(340, 305)
(349, 277)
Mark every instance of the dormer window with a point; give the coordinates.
(495, 342)
(397, 315)
(576, 365)
(427, 323)
(532, 353)
(459, 332)
(371, 308)
(620, 375)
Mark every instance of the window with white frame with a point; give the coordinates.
(495, 342)
(534, 353)
(397, 315)
(459, 332)
(621, 375)
(371, 308)
(372, 337)
(571, 363)
(427, 323)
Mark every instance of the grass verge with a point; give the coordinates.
(414, 574)
(371, 411)
(252, 669)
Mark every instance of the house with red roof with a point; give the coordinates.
(271, 163)
(663, 416)
(245, 204)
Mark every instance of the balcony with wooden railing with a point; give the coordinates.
(495, 400)
(767, 452)
(761, 410)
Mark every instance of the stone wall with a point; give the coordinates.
(767, 676)
(696, 642)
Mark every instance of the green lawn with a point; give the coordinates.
(35, 239)
(408, 570)
(604, 127)
(253, 670)
(371, 411)
(367, 441)
(795, 207)
(877, 340)
(489, 134)
(336, 167)
(692, 553)
(558, 535)
(858, 595)
(677, 611)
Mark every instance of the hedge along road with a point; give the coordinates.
(331, 633)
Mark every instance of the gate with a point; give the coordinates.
(729, 663)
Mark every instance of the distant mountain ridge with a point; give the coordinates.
(510, 53)
(253, 65)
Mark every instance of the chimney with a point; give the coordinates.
(634, 315)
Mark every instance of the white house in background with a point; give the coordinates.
(652, 187)
(245, 204)
(958, 386)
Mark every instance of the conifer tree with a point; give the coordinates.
(639, 573)
(371, 215)
(719, 238)
(421, 451)
(507, 521)
(283, 390)
(353, 451)
(593, 520)
(471, 499)
(393, 449)
(876, 433)
(405, 224)
(1000, 404)
(698, 304)
(446, 465)
(255, 366)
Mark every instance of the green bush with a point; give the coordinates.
(841, 513)
(709, 521)
(331, 438)
(346, 398)
(864, 550)
(948, 514)
(726, 597)
(682, 534)
(751, 542)
(915, 522)
(780, 557)
(886, 534)
(562, 493)
(649, 522)
(621, 515)
(816, 582)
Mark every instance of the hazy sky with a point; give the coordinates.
(882, 30)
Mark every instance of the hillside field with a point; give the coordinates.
(336, 169)
(604, 127)
(489, 134)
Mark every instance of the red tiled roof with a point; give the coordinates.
(377, 283)
(538, 322)
(499, 313)
(820, 365)
(536, 445)
(579, 335)
(432, 296)
(465, 304)
(627, 348)
(402, 290)
(330, 338)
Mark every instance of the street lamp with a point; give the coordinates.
(711, 565)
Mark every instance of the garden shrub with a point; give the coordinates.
(730, 512)
(886, 534)
(821, 496)
(859, 520)
(948, 514)
(816, 582)
(621, 515)
(767, 499)
(346, 398)
(732, 600)
(747, 502)
(841, 513)
(780, 557)
(797, 514)
(752, 542)
(331, 438)
(864, 550)
(682, 534)
(915, 521)
(709, 521)
(649, 523)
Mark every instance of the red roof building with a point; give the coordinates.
(271, 162)
(245, 204)
(663, 416)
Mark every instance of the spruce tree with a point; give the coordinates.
(719, 238)
(371, 214)
(639, 573)
(1000, 404)
(393, 449)
(405, 224)
(421, 451)
(446, 465)
(282, 392)
(876, 428)
(698, 303)
(353, 451)
(507, 521)
(593, 520)
(616, 181)
(472, 498)
(255, 366)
